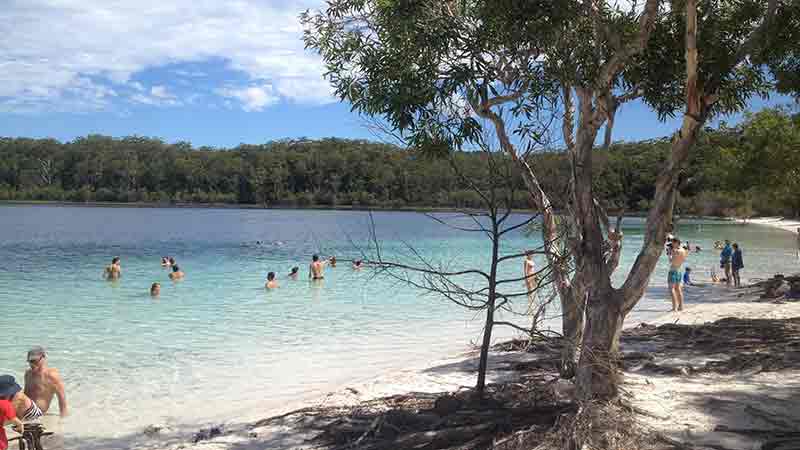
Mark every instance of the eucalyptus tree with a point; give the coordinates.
(441, 72)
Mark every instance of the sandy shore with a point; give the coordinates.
(682, 408)
(774, 222)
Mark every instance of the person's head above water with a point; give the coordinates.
(270, 276)
(295, 269)
(115, 260)
(175, 268)
(315, 258)
(155, 289)
(171, 260)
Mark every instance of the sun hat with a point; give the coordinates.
(36, 352)
(8, 386)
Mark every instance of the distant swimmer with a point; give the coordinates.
(176, 274)
(171, 261)
(315, 268)
(357, 264)
(155, 289)
(164, 261)
(332, 260)
(697, 249)
(114, 270)
(272, 283)
(294, 273)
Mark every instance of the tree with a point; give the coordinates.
(441, 72)
(477, 288)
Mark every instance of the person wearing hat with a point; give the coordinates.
(25, 408)
(8, 414)
(42, 383)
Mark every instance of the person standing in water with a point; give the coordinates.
(676, 260)
(114, 270)
(177, 273)
(271, 282)
(725, 262)
(42, 383)
(315, 268)
(737, 265)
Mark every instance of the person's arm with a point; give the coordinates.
(55, 378)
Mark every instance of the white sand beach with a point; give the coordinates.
(685, 409)
(774, 222)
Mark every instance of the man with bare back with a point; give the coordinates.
(676, 260)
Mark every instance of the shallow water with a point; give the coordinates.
(217, 344)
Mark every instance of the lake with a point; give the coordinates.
(217, 343)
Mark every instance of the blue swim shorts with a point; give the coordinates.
(674, 277)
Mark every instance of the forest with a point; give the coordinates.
(752, 168)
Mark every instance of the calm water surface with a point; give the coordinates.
(217, 343)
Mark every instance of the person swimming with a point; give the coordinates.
(332, 261)
(176, 274)
(315, 268)
(164, 261)
(114, 270)
(155, 289)
(294, 273)
(357, 264)
(271, 282)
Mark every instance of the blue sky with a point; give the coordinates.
(210, 72)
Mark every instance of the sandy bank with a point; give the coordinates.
(774, 222)
(686, 405)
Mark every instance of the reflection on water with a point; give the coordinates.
(219, 334)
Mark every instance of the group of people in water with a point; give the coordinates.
(315, 270)
(731, 262)
(21, 406)
(113, 272)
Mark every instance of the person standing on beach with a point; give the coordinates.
(674, 278)
(798, 243)
(42, 383)
(529, 271)
(315, 268)
(725, 262)
(737, 265)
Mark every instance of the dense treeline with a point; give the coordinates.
(747, 169)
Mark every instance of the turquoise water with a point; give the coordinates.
(217, 343)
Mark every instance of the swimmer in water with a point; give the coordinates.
(176, 274)
(332, 260)
(294, 273)
(357, 264)
(164, 261)
(315, 268)
(114, 270)
(155, 289)
(271, 282)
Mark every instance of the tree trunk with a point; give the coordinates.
(487, 342)
(597, 376)
(572, 324)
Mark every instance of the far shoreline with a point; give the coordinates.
(247, 206)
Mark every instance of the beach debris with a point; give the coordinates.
(208, 433)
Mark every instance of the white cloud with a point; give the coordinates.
(48, 45)
(159, 96)
(252, 98)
